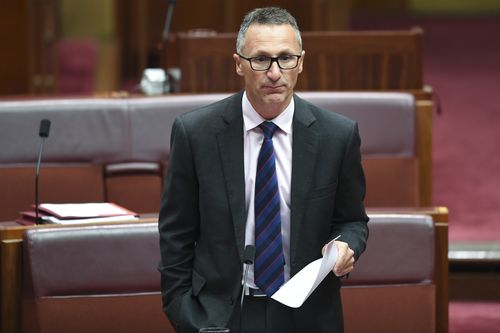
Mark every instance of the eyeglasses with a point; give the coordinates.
(263, 63)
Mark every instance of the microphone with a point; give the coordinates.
(168, 20)
(43, 133)
(164, 36)
(248, 258)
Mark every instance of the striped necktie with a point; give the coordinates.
(269, 258)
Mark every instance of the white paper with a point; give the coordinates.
(121, 218)
(84, 210)
(301, 285)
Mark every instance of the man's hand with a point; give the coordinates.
(345, 260)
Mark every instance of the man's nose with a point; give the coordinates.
(274, 72)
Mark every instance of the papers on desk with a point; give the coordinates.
(123, 218)
(84, 210)
(295, 292)
(76, 213)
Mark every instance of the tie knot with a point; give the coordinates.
(268, 127)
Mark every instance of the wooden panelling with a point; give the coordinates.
(141, 23)
(14, 69)
(361, 60)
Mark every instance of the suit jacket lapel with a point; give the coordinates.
(304, 149)
(230, 142)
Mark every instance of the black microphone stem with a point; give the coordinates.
(168, 20)
(39, 161)
(164, 35)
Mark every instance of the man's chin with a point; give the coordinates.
(276, 98)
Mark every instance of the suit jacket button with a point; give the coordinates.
(231, 301)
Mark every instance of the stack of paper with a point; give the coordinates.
(75, 213)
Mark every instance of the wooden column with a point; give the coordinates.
(327, 15)
(42, 47)
(11, 283)
(425, 109)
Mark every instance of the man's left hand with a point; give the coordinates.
(345, 259)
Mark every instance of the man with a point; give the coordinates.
(213, 204)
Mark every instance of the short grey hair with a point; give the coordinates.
(268, 16)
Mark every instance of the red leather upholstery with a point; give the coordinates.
(77, 65)
(58, 183)
(104, 279)
(137, 186)
(93, 279)
(392, 288)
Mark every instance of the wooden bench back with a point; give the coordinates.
(334, 60)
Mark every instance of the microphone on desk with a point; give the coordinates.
(168, 86)
(43, 133)
(156, 81)
(168, 20)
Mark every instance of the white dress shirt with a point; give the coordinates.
(282, 142)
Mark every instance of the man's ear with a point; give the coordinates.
(237, 62)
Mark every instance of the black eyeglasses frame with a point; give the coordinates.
(273, 59)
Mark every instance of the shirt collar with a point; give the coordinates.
(252, 119)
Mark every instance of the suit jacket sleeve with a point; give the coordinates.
(178, 223)
(349, 217)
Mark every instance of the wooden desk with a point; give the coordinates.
(11, 277)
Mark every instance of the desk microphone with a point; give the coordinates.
(43, 133)
(168, 20)
(164, 38)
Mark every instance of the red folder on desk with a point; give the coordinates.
(28, 217)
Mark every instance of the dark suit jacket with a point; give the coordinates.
(202, 215)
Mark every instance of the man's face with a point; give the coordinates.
(271, 89)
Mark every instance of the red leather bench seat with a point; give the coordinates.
(105, 279)
(93, 279)
(393, 287)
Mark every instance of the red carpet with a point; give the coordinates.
(462, 64)
(474, 317)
